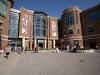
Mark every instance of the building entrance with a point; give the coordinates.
(92, 43)
(41, 45)
(14, 43)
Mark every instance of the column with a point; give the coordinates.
(23, 42)
(48, 32)
(45, 43)
(53, 43)
(35, 43)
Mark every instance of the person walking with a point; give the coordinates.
(57, 50)
(74, 48)
(37, 48)
(15, 49)
(68, 48)
(26, 48)
(7, 51)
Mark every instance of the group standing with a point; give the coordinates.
(71, 48)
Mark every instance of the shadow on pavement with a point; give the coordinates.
(5, 56)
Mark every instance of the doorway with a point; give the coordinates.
(92, 43)
(41, 45)
(14, 43)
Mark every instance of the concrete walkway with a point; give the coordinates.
(50, 63)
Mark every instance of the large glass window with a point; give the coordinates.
(3, 8)
(13, 27)
(90, 28)
(0, 34)
(76, 17)
(94, 15)
(69, 19)
(40, 25)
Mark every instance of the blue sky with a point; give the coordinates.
(54, 8)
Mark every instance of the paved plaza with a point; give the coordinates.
(50, 63)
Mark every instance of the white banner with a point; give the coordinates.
(53, 28)
(24, 23)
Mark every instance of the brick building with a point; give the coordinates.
(90, 20)
(71, 26)
(29, 28)
(81, 27)
(5, 7)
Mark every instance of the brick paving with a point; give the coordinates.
(50, 63)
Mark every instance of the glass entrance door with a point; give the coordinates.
(14, 43)
(92, 43)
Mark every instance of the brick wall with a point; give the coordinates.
(52, 19)
(65, 28)
(4, 34)
(85, 23)
(23, 12)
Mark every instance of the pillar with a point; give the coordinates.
(45, 43)
(53, 43)
(23, 42)
(35, 43)
(48, 33)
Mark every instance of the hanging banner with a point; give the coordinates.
(24, 23)
(53, 24)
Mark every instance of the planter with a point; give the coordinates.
(2, 51)
(86, 51)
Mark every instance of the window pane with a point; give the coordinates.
(14, 16)
(78, 32)
(70, 19)
(76, 42)
(76, 17)
(90, 28)
(13, 30)
(13, 27)
(70, 31)
(94, 15)
(37, 32)
(0, 8)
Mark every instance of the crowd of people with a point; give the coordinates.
(35, 48)
(69, 48)
(9, 49)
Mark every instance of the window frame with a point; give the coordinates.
(70, 32)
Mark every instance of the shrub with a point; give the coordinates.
(45, 49)
(83, 48)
